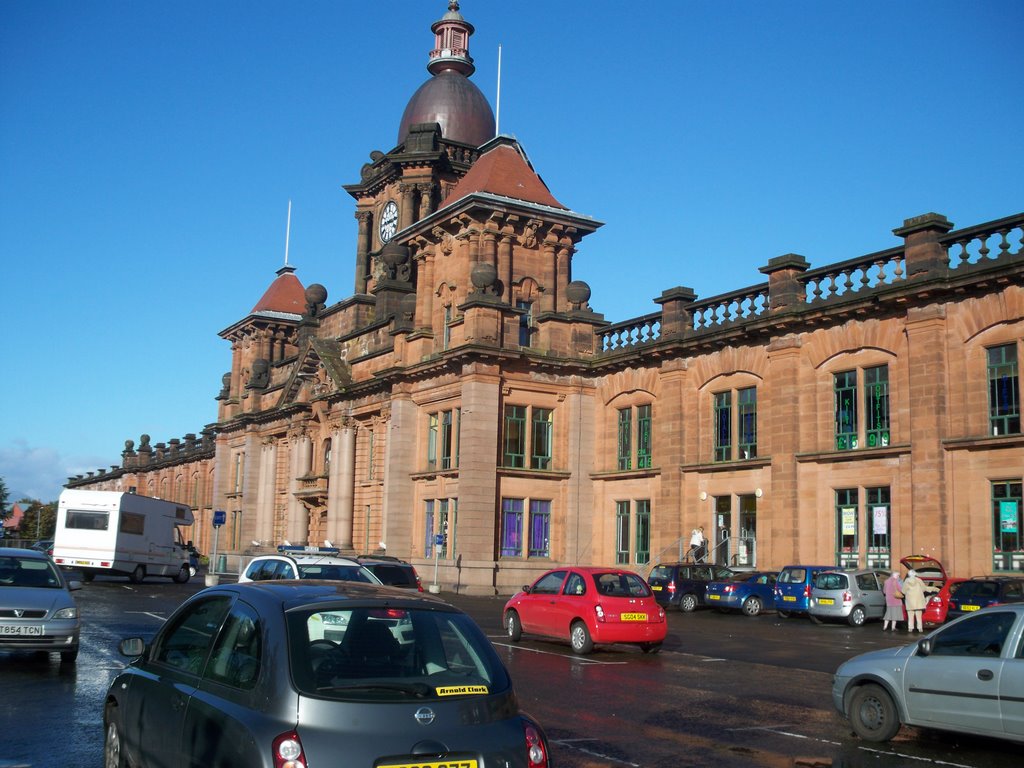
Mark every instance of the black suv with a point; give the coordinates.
(391, 571)
(983, 591)
(682, 584)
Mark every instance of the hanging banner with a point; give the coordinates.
(1008, 516)
(881, 520)
(849, 520)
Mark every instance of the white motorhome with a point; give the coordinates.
(109, 532)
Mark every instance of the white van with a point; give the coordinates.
(123, 533)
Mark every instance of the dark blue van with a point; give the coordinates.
(793, 588)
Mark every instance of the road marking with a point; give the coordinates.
(156, 616)
(877, 752)
(555, 653)
(571, 744)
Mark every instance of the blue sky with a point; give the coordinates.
(148, 151)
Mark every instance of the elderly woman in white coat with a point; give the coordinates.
(914, 590)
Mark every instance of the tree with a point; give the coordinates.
(4, 511)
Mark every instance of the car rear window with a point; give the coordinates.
(828, 580)
(663, 572)
(392, 574)
(621, 585)
(391, 654)
(793, 576)
(978, 589)
(334, 572)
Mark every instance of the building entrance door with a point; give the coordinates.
(746, 539)
(723, 531)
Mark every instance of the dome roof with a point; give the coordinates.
(451, 100)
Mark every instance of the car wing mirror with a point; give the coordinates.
(74, 584)
(526, 589)
(132, 646)
(924, 647)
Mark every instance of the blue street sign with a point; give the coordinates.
(219, 518)
(438, 539)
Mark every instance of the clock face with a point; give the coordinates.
(388, 221)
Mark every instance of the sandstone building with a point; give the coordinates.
(852, 413)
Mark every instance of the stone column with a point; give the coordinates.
(926, 529)
(362, 251)
(406, 211)
(398, 465)
(343, 477)
(425, 288)
(297, 524)
(265, 501)
(782, 423)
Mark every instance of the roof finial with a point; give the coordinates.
(287, 233)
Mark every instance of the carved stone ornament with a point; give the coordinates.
(445, 242)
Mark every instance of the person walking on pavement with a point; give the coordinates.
(697, 544)
(893, 589)
(913, 595)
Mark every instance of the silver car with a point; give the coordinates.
(37, 610)
(851, 596)
(966, 676)
(317, 673)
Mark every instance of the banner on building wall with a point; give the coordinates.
(849, 520)
(880, 516)
(1008, 516)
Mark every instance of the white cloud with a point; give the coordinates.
(39, 473)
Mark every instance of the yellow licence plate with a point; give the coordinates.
(788, 599)
(714, 597)
(433, 764)
(656, 588)
(826, 601)
(969, 607)
(633, 617)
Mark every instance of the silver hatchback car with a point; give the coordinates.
(966, 676)
(37, 610)
(851, 596)
(289, 674)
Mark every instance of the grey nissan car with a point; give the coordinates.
(289, 674)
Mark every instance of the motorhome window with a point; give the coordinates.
(132, 522)
(88, 521)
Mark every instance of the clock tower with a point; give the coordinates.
(442, 128)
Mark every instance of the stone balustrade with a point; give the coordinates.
(930, 250)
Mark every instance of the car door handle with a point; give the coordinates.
(985, 674)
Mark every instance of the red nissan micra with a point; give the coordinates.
(588, 606)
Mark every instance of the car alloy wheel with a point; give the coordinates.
(857, 616)
(752, 606)
(873, 714)
(688, 603)
(112, 747)
(579, 638)
(513, 626)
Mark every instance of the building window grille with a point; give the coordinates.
(741, 421)
(876, 406)
(643, 531)
(540, 528)
(511, 527)
(879, 514)
(639, 438)
(622, 533)
(443, 439)
(1007, 526)
(527, 427)
(845, 389)
(847, 526)
(1003, 390)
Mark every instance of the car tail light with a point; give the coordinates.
(847, 597)
(288, 751)
(536, 749)
(599, 610)
(419, 584)
(672, 587)
(807, 591)
(936, 599)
